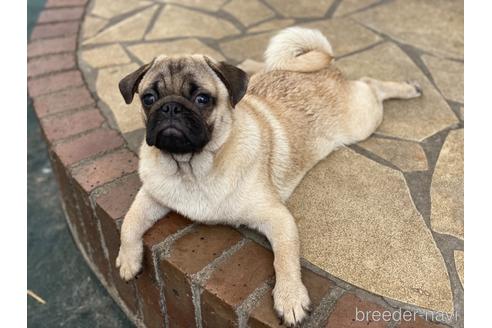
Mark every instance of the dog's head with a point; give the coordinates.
(185, 99)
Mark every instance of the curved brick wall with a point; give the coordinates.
(194, 275)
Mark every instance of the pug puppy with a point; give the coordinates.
(221, 150)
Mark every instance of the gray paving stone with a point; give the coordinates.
(435, 26)
(447, 192)
(357, 221)
(176, 21)
(448, 75)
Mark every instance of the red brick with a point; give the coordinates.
(62, 101)
(110, 207)
(51, 46)
(65, 3)
(93, 237)
(55, 82)
(419, 323)
(72, 124)
(50, 64)
(163, 228)
(67, 195)
(117, 200)
(264, 315)
(194, 251)
(149, 295)
(111, 235)
(88, 145)
(42, 31)
(232, 282)
(147, 288)
(178, 295)
(59, 15)
(190, 254)
(126, 291)
(105, 169)
(344, 313)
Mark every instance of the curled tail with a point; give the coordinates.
(298, 49)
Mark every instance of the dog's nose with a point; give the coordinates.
(172, 108)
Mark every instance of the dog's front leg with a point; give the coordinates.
(143, 213)
(291, 299)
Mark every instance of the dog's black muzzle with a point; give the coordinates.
(176, 127)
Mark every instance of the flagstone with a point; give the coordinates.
(130, 29)
(447, 187)
(407, 155)
(176, 21)
(251, 66)
(92, 25)
(357, 221)
(248, 12)
(134, 139)
(275, 24)
(349, 6)
(248, 47)
(105, 56)
(435, 26)
(110, 8)
(414, 119)
(128, 117)
(291, 8)
(345, 35)
(147, 51)
(459, 261)
(448, 75)
(211, 5)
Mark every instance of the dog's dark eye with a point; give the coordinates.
(148, 99)
(202, 99)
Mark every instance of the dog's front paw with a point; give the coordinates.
(291, 302)
(129, 261)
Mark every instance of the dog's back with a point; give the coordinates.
(305, 94)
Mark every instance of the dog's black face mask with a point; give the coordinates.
(177, 125)
(176, 102)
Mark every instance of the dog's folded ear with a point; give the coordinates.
(235, 79)
(129, 84)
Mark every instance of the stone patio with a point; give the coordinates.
(385, 215)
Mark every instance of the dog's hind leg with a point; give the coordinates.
(388, 89)
(365, 105)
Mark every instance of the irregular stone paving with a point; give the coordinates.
(446, 189)
(385, 215)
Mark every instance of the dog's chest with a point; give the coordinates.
(200, 199)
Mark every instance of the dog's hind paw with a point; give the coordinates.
(416, 86)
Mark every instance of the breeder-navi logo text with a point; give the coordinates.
(399, 315)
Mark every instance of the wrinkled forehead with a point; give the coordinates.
(175, 73)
